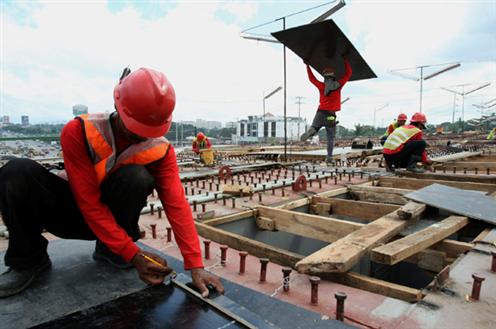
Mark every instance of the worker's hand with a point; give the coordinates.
(148, 271)
(202, 278)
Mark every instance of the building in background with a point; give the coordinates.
(5, 120)
(200, 123)
(256, 129)
(231, 125)
(79, 109)
(25, 120)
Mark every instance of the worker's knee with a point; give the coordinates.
(16, 174)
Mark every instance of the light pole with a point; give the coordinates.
(377, 110)
(421, 78)
(464, 93)
(264, 98)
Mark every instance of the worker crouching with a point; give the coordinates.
(201, 145)
(405, 146)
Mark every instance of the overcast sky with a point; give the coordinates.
(59, 53)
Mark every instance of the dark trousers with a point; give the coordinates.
(323, 119)
(33, 199)
(404, 157)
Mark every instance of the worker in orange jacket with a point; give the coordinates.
(400, 121)
(405, 146)
(200, 142)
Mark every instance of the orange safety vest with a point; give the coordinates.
(101, 145)
(399, 137)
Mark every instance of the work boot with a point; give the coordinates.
(412, 165)
(389, 167)
(308, 134)
(13, 281)
(103, 253)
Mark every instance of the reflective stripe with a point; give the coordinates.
(400, 136)
(101, 142)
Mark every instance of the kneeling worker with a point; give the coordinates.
(113, 162)
(202, 146)
(398, 123)
(405, 146)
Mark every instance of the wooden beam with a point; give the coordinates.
(356, 209)
(347, 251)
(379, 194)
(398, 250)
(255, 248)
(428, 259)
(333, 193)
(230, 218)
(415, 184)
(294, 204)
(316, 227)
(482, 235)
(487, 179)
(265, 223)
(453, 248)
(377, 286)
(468, 165)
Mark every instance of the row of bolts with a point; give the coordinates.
(477, 284)
(476, 170)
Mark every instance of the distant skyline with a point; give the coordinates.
(55, 54)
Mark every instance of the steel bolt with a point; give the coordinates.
(154, 230)
(223, 200)
(340, 297)
(233, 202)
(314, 281)
(206, 244)
(169, 234)
(204, 207)
(242, 261)
(286, 271)
(476, 287)
(259, 197)
(223, 255)
(263, 269)
(194, 205)
(152, 208)
(159, 210)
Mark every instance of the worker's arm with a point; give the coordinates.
(347, 74)
(177, 209)
(207, 141)
(86, 190)
(313, 79)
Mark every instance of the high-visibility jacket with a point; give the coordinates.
(392, 127)
(101, 146)
(395, 142)
(492, 134)
(204, 144)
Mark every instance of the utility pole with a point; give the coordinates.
(299, 102)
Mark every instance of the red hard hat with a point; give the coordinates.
(402, 117)
(419, 117)
(145, 100)
(200, 136)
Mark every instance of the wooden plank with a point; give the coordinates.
(468, 165)
(377, 286)
(356, 209)
(256, 248)
(265, 223)
(398, 250)
(316, 227)
(347, 251)
(321, 208)
(453, 248)
(379, 194)
(236, 189)
(231, 218)
(333, 193)
(482, 235)
(294, 204)
(428, 259)
(415, 184)
(487, 179)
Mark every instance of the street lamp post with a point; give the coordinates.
(421, 78)
(264, 98)
(377, 110)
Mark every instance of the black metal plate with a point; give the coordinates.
(322, 44)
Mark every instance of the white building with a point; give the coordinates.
(256, 128)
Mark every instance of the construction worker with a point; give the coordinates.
(113, 162)
(200, 142)
(491, 135)
(329, 103)
(405, 146)
(400, 121)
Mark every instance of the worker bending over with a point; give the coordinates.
(405, 146)
(113, 162)
(329, 103)
(491, 135)
(401, 120)
(200, 142)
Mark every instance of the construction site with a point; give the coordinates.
(299, 238)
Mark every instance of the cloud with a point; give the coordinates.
(57, 54)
